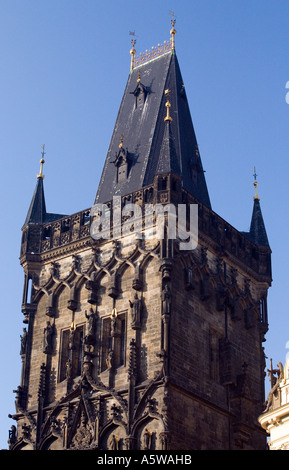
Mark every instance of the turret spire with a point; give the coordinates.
(37, 211)
(257, 228)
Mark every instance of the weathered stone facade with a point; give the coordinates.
(135, 343)
(193, 368)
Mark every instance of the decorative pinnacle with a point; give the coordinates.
(255, 184)
(42, 161)
(132, 51)
(168, 105)
(121, 142)
(173, 31)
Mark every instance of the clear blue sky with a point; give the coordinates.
(63, 69)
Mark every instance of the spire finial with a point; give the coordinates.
(168, 105)
(42, 161)
(121, 142)
(132, 51)
(255, 184)
(173, 31)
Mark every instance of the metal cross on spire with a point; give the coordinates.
(132, 51)
(173, 31)
(173, 21)
(133, 40)
(42, 161)
(255, 183)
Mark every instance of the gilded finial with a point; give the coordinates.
(255, 184)
(42, 161)
(121, 142)
(168, 105)
(113, 313)
(132, 51)
(173, 31)
(138, 78)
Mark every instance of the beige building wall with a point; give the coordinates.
(276, 417)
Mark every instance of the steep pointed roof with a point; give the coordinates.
(258, 233)
(141, 122)
(37, 210)
(168, 160)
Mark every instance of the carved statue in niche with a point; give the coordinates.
(90, 326)
(135, 306)
(147, 440)
(113, 443)
(68, 369)
(23, 342)
(113, 325)
(166, 300)
(71, 337)
(109, 360)
(48, 336)
(163, 440)
(88, 355)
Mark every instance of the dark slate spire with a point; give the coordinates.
(257, 232)
(145, 134)
(168, 159)
(37, 211)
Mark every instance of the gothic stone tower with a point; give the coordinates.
(135, 343)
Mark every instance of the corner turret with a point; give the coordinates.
(257, 233)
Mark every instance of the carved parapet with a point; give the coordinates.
(63, 231)
(236, 243)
